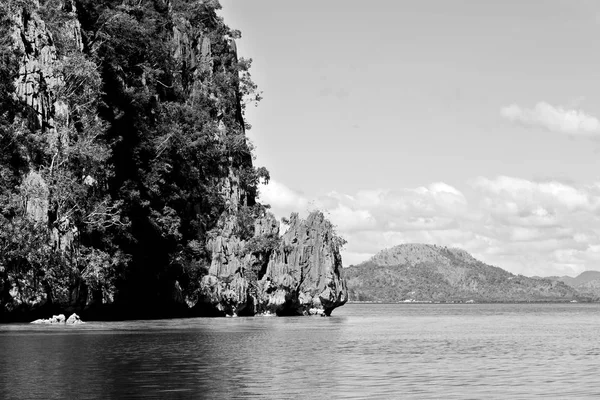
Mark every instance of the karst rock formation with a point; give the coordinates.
(251, 268)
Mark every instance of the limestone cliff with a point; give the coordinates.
(105, 199)
(38, 85)
(299, 273)
(304, 275)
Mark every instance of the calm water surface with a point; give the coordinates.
(363, 351)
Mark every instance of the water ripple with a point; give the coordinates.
(363, 351)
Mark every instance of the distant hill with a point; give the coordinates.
(425, 272)
(587, 283)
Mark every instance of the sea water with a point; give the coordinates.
(422, 351)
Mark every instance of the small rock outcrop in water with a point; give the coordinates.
(60, 319)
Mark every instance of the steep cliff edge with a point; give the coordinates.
(34, 276)
(127, 188)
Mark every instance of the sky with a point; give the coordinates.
(471, 124)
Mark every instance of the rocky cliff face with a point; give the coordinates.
(304, 275)
(37, 86)
(253, 269)
(37, 80)
(297, 274)
(300, 276)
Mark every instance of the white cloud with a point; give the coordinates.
(556, 119)
(530, 197)
(282, 199)
(528, 227)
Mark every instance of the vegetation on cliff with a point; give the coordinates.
(126, 180)
(121, 147)
(423, 272)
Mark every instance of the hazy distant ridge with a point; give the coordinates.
(587, 283)
(425, 272)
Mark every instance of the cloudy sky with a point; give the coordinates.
(459, 123)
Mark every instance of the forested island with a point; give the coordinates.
(127, 184)
(415, 272)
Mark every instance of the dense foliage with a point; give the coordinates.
(136, 170)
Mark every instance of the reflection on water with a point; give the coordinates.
(386, 351)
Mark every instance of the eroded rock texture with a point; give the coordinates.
(37, 86)
(304, 275)
(301, 275)
(37, 78)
